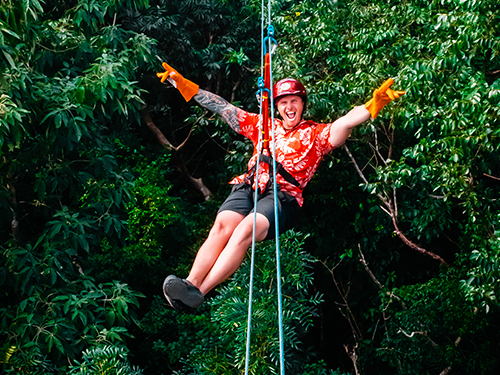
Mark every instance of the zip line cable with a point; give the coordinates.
(262, 145)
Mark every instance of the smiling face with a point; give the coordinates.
(290, 108)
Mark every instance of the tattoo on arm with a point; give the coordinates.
(220, 106)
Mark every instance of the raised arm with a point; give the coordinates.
(342, 128)
(219, 105)
(206, 99)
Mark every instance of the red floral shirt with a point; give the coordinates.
(299, 150)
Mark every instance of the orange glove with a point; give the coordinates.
(187, 88)
(381, 97)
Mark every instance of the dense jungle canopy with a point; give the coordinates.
(110, 182)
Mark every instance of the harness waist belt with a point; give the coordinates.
(279, 169)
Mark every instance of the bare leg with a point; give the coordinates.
(221, 231)
(233, 253)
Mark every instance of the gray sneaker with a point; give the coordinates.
(181, 294)
(179, 306)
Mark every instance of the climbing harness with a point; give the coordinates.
(265, 97)
(250, 178)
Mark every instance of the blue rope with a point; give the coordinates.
(252, 257)
(276, 219)
(270, 40)
(256, 195)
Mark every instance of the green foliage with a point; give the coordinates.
(67, 80)
(81, 208)
(153, 211)
(11, 117)
(171, 336)
(428, 325)
(157, 223)
(480, 286)
(65, 322)
(434, 152)
(214, 340)
(27, 361)
(222, 348)
(208, 39)
(215, 44)
(105, 359)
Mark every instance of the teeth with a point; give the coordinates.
(290, 115)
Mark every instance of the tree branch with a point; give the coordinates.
(355, 164)
(233, 91)
(495, 178)
(146, 118)
(368, 270)
(356, 331)
(392, 211)
(376, 148)
(14, 224)
(196, 183)
(385, 200)
(353, 355)
(376, 281)
(414, 246)
(446, 371)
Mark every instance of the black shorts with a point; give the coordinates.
(242, 198)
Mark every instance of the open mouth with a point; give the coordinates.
(290, 115)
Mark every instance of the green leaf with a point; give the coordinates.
(9, 59)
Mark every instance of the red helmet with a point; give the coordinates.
(289, 86)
